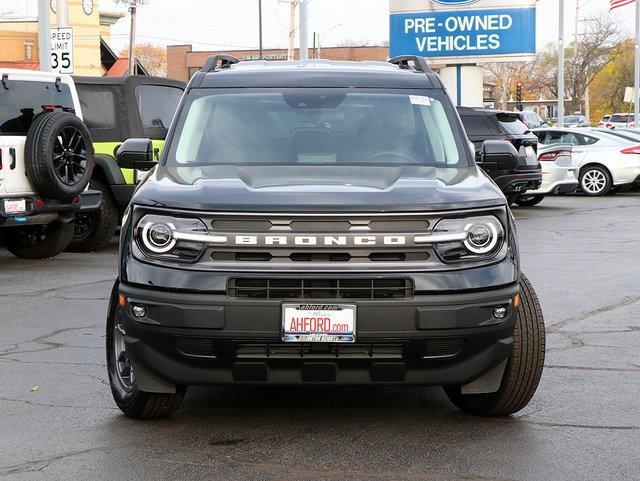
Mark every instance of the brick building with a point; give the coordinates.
(183, 62)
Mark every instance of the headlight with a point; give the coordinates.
(170, 237)
(469, 238)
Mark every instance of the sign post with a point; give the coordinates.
(62, 50)
(462, 34)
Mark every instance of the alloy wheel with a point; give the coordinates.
(70, 156)
(594, 181)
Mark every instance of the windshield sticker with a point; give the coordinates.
(419, 100)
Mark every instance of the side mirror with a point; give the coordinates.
(498, 155)
(135, 154)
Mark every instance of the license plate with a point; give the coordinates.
(15, 206)
(318, 323)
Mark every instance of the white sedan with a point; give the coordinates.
(604, 160)
(559, 174)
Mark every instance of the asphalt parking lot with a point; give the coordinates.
(58, 421)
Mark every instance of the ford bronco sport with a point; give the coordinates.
(46, 161)
(323, 223)
(115, 109)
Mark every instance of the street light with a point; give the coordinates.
(133, 6)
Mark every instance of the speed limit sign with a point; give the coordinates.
(62, 50)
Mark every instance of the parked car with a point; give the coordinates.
(571, 121)
(604, 160)
(116, 109)
(559, 174)
(617, 121)
(631, 135)
(46, 161)
(323, 224)
(488, 124)
(603, 122)
(531, 119)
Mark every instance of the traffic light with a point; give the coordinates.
(519, 96)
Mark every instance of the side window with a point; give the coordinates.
(551, 137)
(98, 107)
(569, 138)
(157, 105)
(475, 125)
(23, 100)
(587, 140)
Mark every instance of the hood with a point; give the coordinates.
(321, 188)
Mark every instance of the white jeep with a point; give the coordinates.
(46, 161)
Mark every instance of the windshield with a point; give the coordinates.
(619, 118)
(511, 124)
(316, 126)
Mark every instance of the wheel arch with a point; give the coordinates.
(597, 164)
(107, 170)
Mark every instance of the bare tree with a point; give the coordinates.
(152, 57)
(595, 49)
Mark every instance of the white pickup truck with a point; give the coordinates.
(46, 161)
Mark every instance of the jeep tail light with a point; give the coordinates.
(631, 150)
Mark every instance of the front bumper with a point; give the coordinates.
(426, 339)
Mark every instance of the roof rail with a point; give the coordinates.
(218, 62)
(419, 63)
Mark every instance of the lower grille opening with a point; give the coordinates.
(423, 349)
(282, 288)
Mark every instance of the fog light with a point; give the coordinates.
(139, 311)
(500, 312)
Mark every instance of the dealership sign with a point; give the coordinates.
(463, 29)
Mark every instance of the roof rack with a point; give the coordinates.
(218, 62)
(419, 63)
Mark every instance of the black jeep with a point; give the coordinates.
(321, 223)
(489, 124)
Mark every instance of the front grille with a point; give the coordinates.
(319, 242)
(278, 288)
(422, 349)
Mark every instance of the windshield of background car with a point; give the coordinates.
(619, 118)
(317, 126)
(511, 124)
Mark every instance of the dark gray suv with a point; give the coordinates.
(320, 223)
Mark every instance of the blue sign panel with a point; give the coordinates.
(464, 33)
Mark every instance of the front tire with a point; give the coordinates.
(529, 200)
(95, 230)
(524, 368)
(595, 181)
(40, 241)
(133, 402)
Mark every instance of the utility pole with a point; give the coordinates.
(561, 64)
(132, 36)
(62, 13)
(304, 30)
(636, 76)
(292, 30)
(260, 25)
(44, 36)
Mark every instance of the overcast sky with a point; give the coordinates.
(232, 24)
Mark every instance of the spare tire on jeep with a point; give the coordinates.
(58, 155)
